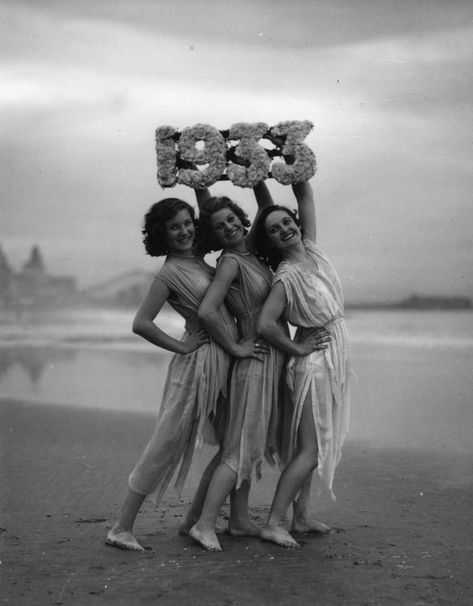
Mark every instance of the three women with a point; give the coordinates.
(306, 291)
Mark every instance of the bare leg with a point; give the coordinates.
(203, 531)
(292, 480)
(240, 525)
(121, 534)
(302, 520)
(198, 501)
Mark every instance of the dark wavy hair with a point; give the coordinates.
(154, 224)
(208, 241)
(264, 250)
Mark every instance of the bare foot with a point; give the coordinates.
(123, 540)
(185, 528)
(302, 524)
(243, 529)
(280, 536)
(206, 538)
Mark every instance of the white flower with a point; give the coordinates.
(166, 155)
(213, 155)
(254, 157)
(304, 167)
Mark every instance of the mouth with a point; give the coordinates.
(288, 236)
(185, 239)
(231, 234)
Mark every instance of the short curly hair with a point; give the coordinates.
(154, 224)
(208, 241)
(264, 250)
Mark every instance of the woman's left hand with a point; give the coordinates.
(316, 341)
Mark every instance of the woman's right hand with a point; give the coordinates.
(252, 348)
(316, 341)
(195, 340)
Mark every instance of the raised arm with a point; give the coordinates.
(263, 199)
(202, 195)
(144, 325)
(273, 331)
(306, 205)
(209, 315)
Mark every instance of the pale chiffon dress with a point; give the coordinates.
(194, 397)
(314, 298)
(256, 387)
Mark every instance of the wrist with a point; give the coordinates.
(299, 349)
(236, 351)
(182, 349)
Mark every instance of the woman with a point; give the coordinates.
(242, 282)
(194, 394)
(306, 292)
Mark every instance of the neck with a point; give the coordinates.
(184, 254)
(240, 247)
(295, 254)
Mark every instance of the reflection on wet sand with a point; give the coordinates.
(33, 361)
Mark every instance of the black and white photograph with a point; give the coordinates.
(236, 302)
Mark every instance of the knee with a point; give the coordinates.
(310, 458)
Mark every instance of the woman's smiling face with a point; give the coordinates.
(180, 232)
(281, 230)
(227, 227)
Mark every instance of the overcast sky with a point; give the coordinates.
(387, 84)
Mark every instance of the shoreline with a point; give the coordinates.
(404, 521)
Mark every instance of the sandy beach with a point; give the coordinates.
(403, 518)
(404, 486)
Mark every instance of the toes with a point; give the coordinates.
(124, 541)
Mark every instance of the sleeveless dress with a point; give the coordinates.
(315, 299)
(194, 396)
(256, 387)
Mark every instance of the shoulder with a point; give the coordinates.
(227, 268)
(168, 273)
(281, 274)
(315, 250)
(228, 260)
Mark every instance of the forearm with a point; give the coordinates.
(262, 195)
(202, 195)
(273, 332)
(303, 191)
(218, 330)
(149, 331)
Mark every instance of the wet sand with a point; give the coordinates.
(403, 518)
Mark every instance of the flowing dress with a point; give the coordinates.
(314, 299)
(256, 387)
(194, 397)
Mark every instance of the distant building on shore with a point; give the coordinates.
(33, 284)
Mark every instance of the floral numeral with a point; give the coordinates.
(254, 158)
(294, 132)
(212, 154)
(166, 154)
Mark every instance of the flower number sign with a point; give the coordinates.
(200, 155)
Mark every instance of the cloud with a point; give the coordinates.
(83, 90)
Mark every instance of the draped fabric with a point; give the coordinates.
(193, 402)
(255, 393)
(314, 299)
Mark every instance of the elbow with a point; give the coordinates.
(263, 327)
(137, 327)
(204, 314)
